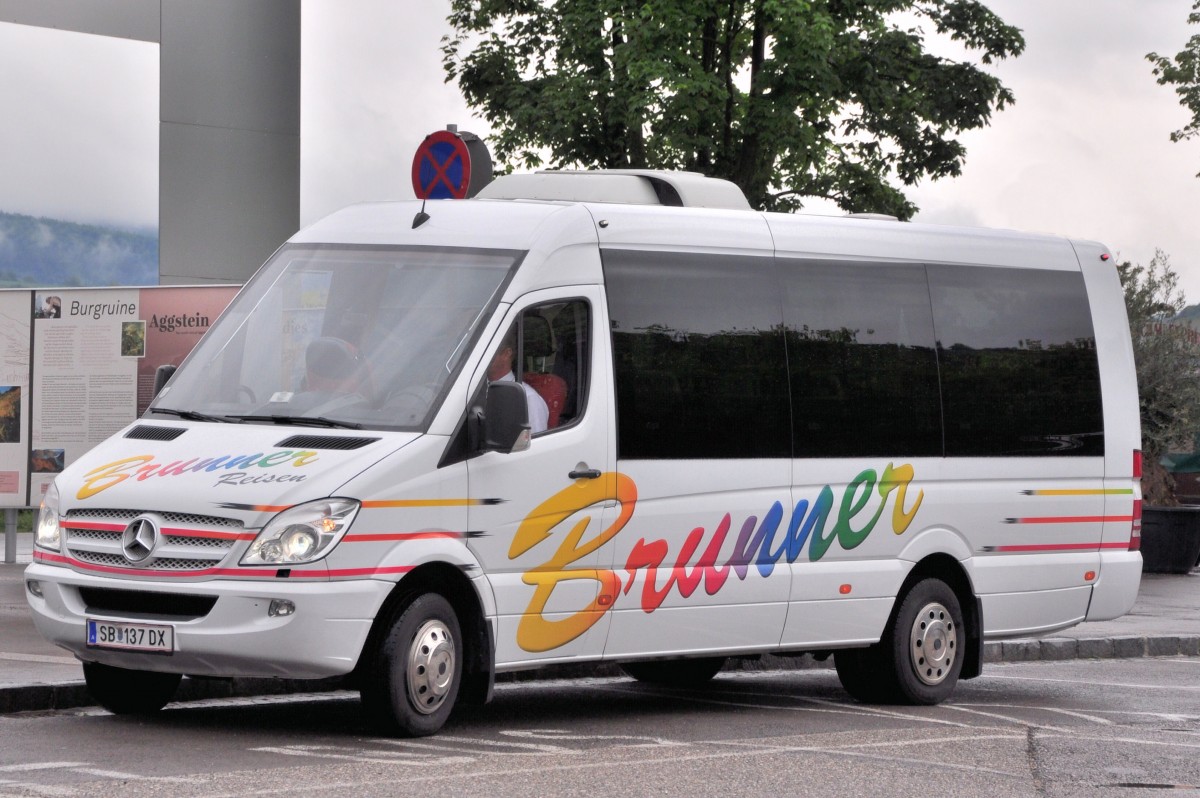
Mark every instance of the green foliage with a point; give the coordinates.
(1166, 356)
(1183, 72)
(787, 98)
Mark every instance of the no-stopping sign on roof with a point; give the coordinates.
(450, 165)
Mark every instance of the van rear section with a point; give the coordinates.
(610, 417)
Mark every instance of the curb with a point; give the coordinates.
(71, 695)
(1049, 649)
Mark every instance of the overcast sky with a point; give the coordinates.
(1084, 152)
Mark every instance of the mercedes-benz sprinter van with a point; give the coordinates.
(613, 416)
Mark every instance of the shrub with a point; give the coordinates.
(1166, 355)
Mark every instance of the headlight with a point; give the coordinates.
(304, 533)
(48, 530)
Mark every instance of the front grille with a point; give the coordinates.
(174, 605)
(156, 564)
(199, 543)
(184, 545)
(123, 517)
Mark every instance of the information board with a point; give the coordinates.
(79, 365)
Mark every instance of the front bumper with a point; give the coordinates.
(236, 638)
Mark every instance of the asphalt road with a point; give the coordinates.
(1087, 727)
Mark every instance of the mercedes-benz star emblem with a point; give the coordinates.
(140, 538)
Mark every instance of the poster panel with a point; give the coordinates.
(94, 355)
(86, 347)
(175, 318)
(14, 396)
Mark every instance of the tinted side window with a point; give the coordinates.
(861, 356)
(698, 350)
(1018, 361)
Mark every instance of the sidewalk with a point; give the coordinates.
(35, 675)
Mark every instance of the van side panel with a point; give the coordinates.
(1016, 492)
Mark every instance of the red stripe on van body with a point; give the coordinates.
(208, 533)
(394, 569)
(97, 526)
(1036, 547)
(370, 538)
(93, 525)
(1071, 519)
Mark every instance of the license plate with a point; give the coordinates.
(130, 636)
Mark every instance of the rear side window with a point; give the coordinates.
(864, 374)
(698, 347)
(1018, 362)
(737, 357)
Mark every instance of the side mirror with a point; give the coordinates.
(505, 418)
(161, 375)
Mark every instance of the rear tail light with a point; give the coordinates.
(1135, 533)
(1137, 464)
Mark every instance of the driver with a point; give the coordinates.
(501, 370)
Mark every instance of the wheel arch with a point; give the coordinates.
(949, 570)
(452, 583)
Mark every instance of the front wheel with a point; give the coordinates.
(416, 674)
(920, 656)
(127, 692)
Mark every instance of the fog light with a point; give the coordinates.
(35, 587)
(280, 608)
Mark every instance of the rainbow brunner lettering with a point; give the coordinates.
(755, 545)
(144, 466)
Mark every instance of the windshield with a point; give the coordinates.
(342, 336)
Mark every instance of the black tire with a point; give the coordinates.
(415, 674)
(675, 672)
(128, 692)
(920, 656)
(867, 674)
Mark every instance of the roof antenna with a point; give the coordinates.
(421, 217)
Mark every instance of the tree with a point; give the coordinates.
(1183, 72)
(786, 98)
(1166, 357)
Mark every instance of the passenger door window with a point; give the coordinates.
(546, 350)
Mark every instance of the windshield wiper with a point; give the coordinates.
(192, 415)
(308, 421)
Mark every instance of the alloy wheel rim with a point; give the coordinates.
(430, 667)
(933, 643)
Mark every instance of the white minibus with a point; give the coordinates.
(610, 417)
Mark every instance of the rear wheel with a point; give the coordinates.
(416, 672)
(127, 692)
(920, 656)
(676, 672)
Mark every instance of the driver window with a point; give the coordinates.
(546, 352)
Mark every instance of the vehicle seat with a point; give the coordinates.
(539, 345)
(333, 365)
